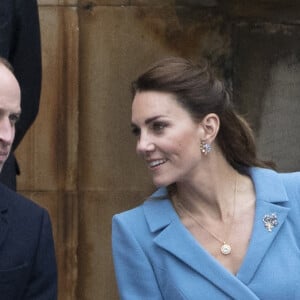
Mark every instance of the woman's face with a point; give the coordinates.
(168, 139)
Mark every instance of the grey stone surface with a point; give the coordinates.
(266, 88)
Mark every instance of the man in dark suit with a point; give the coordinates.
(27, 257)
(20, 45)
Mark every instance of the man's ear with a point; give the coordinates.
(210, 127)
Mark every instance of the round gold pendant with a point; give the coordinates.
(225, 249)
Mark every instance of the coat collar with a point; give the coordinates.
(174, 237)
(268, 185)
(271, 198)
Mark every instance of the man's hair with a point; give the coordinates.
(6, 63)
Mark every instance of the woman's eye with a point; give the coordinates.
(158, 126)
(135, 131)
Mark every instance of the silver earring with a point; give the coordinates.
(205, 148)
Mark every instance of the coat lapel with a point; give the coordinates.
(174, 237)
(178, 242)
(271, 198)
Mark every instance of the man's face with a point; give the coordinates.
(10, 109)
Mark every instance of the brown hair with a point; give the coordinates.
(200, 92)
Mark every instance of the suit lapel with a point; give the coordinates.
(5, 201)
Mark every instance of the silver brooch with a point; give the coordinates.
(270, 221)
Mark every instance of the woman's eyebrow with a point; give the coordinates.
(148, 121)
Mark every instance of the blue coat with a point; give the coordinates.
(156, 257)
(27, 257)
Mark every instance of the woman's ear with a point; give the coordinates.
(210, 127)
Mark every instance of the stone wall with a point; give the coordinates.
(78, 159)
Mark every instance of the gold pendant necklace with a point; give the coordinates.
(225, 248)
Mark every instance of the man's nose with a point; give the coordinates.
(7, 131)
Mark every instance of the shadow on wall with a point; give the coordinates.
(280, 124)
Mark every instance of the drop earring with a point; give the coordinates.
(205, 148)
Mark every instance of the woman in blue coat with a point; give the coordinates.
(222, 224)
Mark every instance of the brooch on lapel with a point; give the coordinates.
(270, 221)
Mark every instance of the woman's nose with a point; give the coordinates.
(144, 144)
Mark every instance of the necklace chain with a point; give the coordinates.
(225, 248)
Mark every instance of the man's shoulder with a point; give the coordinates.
(15, 201)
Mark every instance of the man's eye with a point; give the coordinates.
(14, 118)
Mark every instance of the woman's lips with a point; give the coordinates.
(156, 162)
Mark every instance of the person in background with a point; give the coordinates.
(223, 224)
(20, 45)
(27, 257)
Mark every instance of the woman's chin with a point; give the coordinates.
(161, 183)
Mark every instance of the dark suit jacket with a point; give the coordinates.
(20, 44)
(27, 259)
